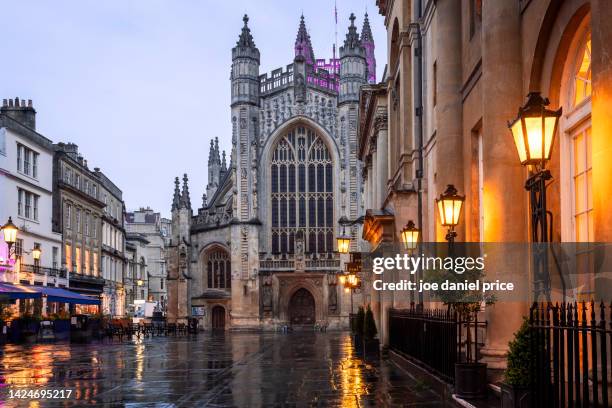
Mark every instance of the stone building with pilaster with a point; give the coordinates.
(456, 74)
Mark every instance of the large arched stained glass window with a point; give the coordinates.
(218, 269)
(302, 197)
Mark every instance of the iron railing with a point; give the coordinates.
(40, 270)
(571, 344)
(426, 336)
(436, 338)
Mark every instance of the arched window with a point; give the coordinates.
(582, 76)
(576, 167)
(302, 195)
(218, 269)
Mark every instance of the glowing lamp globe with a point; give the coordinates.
(36, 252)
(344, 243)
(10, 232)
(449, 206)
(534, 130)
(410, 235)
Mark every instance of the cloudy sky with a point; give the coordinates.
(143, 85)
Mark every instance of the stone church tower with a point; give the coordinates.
(260, 252)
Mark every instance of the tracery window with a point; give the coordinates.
(582, 77)
(218, 269)
(302, 192)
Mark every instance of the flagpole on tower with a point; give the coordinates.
(335, 36)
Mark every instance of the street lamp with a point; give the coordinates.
(10, 234)
(351, 282)
(533, 132)
(344, 241)
(36, 252)
(410, 235)
(139, 282)
(449, 209)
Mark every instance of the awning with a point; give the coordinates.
(14, 291)
(65, 296)
(52, 294)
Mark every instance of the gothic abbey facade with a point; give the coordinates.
(261, 251)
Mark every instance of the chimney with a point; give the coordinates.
(70, 149)
(21, 111)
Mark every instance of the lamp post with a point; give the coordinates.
(343, 240)
(410, 238)
(351, 282)
(36, 252)
(10, 235)
(449, 208)
(533, 132)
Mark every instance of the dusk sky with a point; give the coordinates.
(142, 86)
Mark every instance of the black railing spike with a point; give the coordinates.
(602, 313)
(563, 315)
(575, 312)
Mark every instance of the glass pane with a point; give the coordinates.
(587, 139)
(291, 170)
(283, 212)
(580, 190)
(321, 213)
(292, 212)
(330, 212)
(589, 190)
(582, 233)
(302, 212)
(274, 178)
(320, 178)
(283, 178)
(579, 154)
(275, 212)
(302, 178)
(283, 242)
(311, 178)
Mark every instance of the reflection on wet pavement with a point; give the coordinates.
(217, 370)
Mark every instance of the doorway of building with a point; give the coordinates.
(218, 318)
(302, 308)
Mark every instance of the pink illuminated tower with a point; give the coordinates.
(303, 46)
(367, 41)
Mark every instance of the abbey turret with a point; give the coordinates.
(260, 252)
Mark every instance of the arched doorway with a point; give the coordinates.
(302, 308)
(218, 318)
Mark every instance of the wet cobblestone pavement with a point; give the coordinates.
(214, 370)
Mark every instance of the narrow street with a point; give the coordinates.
(216, 370)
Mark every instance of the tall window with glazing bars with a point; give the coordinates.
(302, 192)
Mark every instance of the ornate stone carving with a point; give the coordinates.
(381, 121)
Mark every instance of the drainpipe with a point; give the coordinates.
(418, 104)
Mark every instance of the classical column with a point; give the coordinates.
(449, 146)
(381, 173)
(504, 200)
(601, 122)
(374, 187)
